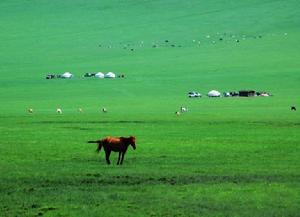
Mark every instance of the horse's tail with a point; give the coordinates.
(99, 142)
(93, 141)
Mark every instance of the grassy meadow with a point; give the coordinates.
(225, 157)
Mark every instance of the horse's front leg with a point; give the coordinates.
(119, 158)
(107, 154)
(123, 153)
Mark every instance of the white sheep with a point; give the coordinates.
(59, 111)
(183, 109)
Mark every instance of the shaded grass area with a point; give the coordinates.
(161, 199)
(97, 180)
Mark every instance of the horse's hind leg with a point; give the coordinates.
(119, 158)
(107, 154)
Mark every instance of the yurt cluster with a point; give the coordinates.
(69, 75)
(241, 93)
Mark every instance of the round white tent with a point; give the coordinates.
(110, 75)
(99, 75)
(214, 93)
(67, 75)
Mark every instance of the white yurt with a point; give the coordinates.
(110, 75)
(214, 93)
(99, 75)
(67, 75)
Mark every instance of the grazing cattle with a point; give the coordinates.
(115, 144)
(59, 111)
(293, 108)
(30, 110)
(104, 110)
(177, 113)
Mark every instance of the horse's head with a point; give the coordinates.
(132, 142)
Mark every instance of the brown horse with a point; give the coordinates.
(116, 144)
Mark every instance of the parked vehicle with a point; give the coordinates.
(194, 94)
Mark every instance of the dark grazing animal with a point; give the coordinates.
(115, 144)
(293, 108)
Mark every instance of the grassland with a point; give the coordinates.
(225, 157)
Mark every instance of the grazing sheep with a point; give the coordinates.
(59, 111)
(30, 110)
(177, 113)
(293, 108)
(183, 109)
(104, 110)
(80, 110)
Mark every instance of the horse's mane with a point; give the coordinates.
(128, 140)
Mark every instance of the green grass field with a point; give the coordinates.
(225, 157)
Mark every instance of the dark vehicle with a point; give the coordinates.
(194, 94)
(88, 75)
(50, 76)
